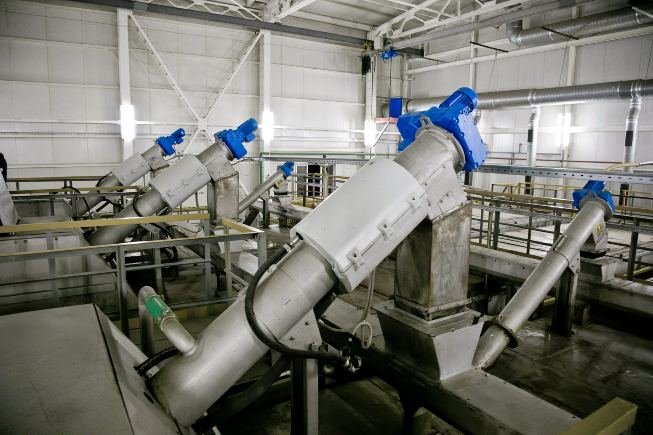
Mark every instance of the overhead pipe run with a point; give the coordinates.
(630, 143)
(632, 120)
(531, 152)
(576, 94)
(606, 22)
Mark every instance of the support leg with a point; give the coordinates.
(304, 420)
(563, 311)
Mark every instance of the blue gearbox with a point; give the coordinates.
(455, 116)
(234, 139)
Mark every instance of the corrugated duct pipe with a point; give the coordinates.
(590, 25)
(546, 97)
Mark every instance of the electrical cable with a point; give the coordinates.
(88, 209)
(157, 358)
(263, 335)
(175, 251)
(365, 342)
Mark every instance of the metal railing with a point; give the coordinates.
(233, 231)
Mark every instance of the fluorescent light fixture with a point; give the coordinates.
(267, 126)
(127, 122)
(564, 125)
(369, 133)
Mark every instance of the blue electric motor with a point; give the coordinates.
(455, 116)
(287, 168)
(234, 139)
(167, 143)
(594, 188)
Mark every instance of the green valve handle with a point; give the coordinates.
(158, 308)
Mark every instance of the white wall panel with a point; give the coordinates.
(65, 64)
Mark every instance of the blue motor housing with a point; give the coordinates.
(455, 116)
(287, 168)
(167, 143)
(395, 107)
(593, 188)
(234, 139)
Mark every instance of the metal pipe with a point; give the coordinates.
(605, 22)
(154, 153)
(576, 94)
(167, 321)
(183, 179)
(260, 190)
(630, 143)
(538, 284)
(135, 167)
(145, 322)
(91, 201)
(148, 204)
(187, 386)
(533, 124)
(227, 348)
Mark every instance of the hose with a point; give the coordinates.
(627, 165)
(266, 338)
(157, 358)
(365, 342)
(83, 198)
(175, 252)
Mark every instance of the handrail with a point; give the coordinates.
(81, 189)
(127, 247)
(92, 223)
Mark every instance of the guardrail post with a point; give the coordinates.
(207, 268)
(121, 282)
(262, 248)
(52, 270)
(158, 271)
(632, 251)
(495, 230)
(227, 264)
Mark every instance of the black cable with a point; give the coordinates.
(101, 180)
(164, 230)
(270, 341)
(157, 358)
(88, 209)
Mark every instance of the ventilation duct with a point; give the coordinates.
(624, 90)
(593, 24)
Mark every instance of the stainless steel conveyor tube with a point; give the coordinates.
(178, 183)
(593, 211)
(282, 173)
(391, 197)
(134, 168)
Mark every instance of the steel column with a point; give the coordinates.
(565, 295)
(304, 396)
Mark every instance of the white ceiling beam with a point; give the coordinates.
(410, 13)
(243, 8)
(297, 5)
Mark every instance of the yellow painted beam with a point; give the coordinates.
(613, 418)
(240, 227)
(70, 189)
(92, 223)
